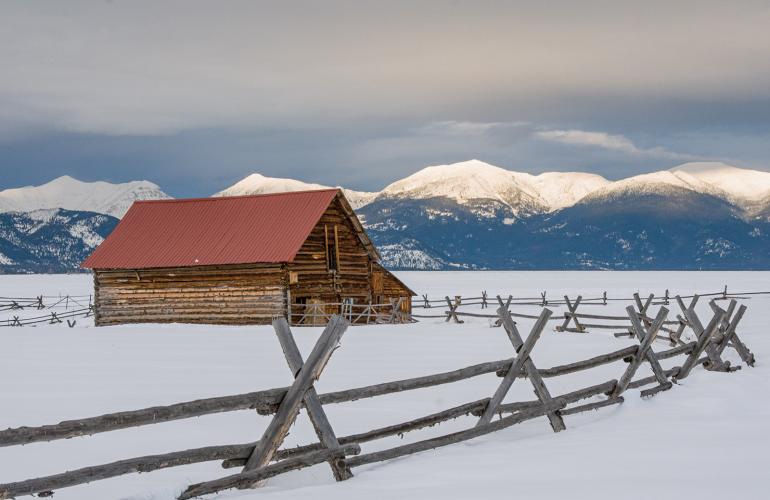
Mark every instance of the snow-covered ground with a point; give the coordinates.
(706, 438)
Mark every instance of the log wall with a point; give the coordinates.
(393, 288)
(241, 294)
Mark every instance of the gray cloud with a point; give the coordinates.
(139, 67)
(371, 90)
(612, 142)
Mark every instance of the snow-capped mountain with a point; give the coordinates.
(72, 194)
(50, 241)
(467, 215)
(260, 184)
(474, 180)
(667, 182)
(475, 215)
(747, 189)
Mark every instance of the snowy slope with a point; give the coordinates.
(740, 183)
(746, 189)
(476, 180)
(260, 184)
(663, 183)
(72, 194)
(563, 189)
(704, 439)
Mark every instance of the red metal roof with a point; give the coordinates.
(210, 231)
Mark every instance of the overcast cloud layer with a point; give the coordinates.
(195, 95)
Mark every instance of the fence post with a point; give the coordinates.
(730, 336)
(452, 313)
(312, 404)
(290, 404)
(704, 339)
(557, 423)
(517, 365)
(571, 315)
(644, 346)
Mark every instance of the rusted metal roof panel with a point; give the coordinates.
(268, 228)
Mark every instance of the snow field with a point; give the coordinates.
(705, 438)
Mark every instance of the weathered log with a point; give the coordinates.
(577, 366)
(456, 437)
(654, 390)
(141, 464)
(474, 408)
(715, 361)
(522, 356)
(591, 406)
(557, 423)
(263, 401)
(315, 411)
(704, 339)
(646, 343)
(283, 419)
(248, 478)
(676, 351)
(567, 398)
(413, 383)
(649, 355)
(730, 336)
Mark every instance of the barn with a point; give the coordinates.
(243, 260)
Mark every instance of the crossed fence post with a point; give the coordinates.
(305, 375)
(729, 335)
(646, 337)
(571, 315)
(313, 405)
(704, 340)
(522, 362)
(452, 312)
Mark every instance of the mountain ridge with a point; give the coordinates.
(467, 215)
(71, 194)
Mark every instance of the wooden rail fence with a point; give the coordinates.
(265, 458)
(69, 308)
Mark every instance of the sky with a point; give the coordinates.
(196, 95)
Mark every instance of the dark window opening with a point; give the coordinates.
(332, 250)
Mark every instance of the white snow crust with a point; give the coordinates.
(706, 438)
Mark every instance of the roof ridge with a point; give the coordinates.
(218, 198)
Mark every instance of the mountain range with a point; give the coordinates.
(467, 215)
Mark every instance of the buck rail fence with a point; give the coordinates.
(48, 309)
(265, 458)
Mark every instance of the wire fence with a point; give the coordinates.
(50, 309)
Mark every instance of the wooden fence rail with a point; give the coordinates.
(264, 458)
